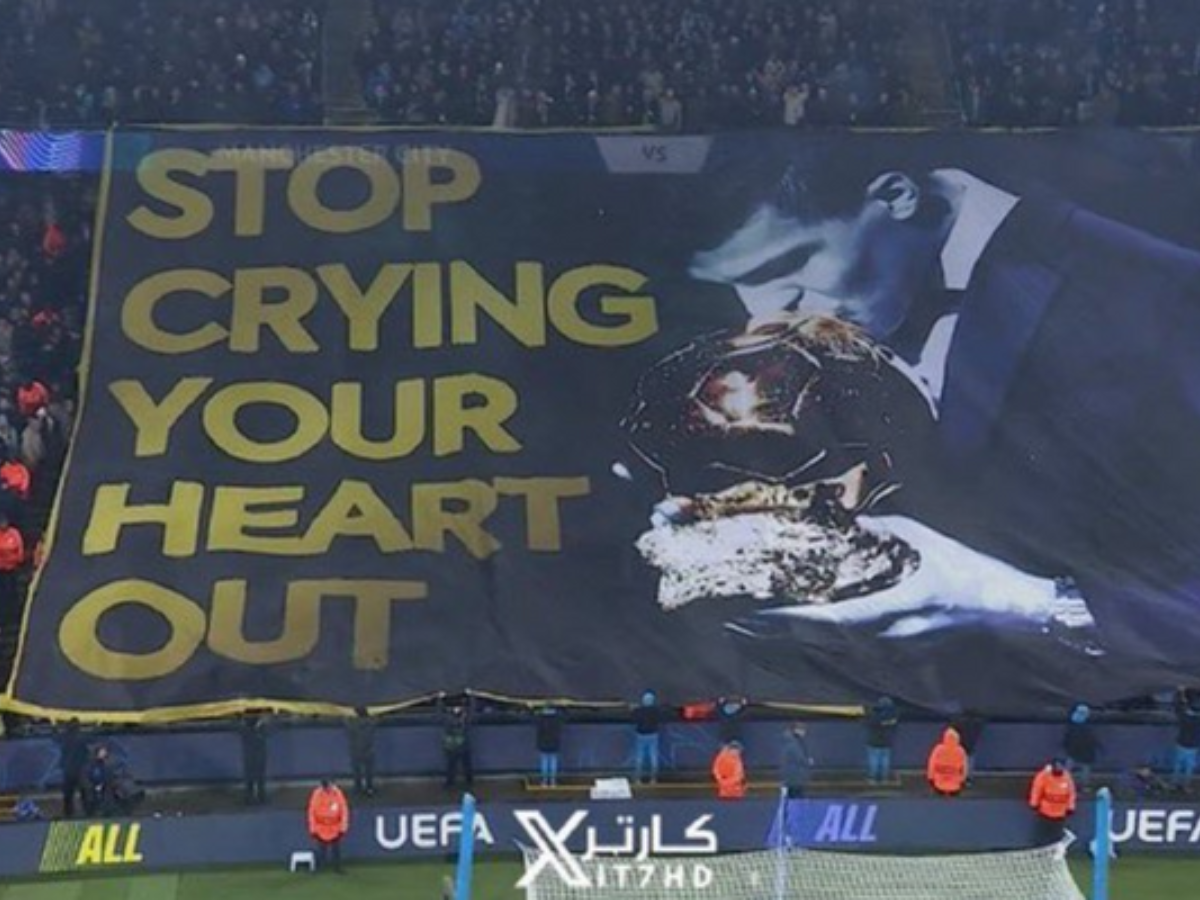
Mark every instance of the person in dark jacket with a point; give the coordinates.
(254, 759)
(970, 726)
(796, 767)
(456, 746)
(1187, 740)
(98, 783)
(883, 720)
(647, 721)
(125, 792)
(730, 712)
(1081, 744)
(72, 757)
(549, 726)
(360, 734)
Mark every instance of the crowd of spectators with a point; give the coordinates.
(678, 65)
(45, 236)
(1076, 62)
(78, 62)
(675, 64)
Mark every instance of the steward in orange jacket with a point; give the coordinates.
(328, 821)
(947, 769)
(729, 772)
(1052, 796)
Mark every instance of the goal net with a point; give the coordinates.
(1038, 874)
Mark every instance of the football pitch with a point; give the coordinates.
(1135, 878)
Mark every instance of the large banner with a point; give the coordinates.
(370, 416)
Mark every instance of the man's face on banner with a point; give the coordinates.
(856, 267)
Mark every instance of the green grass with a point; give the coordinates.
(1134, 878)
(1146, 878)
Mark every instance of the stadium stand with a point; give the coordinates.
(70, 62)
(675, 66)
(1076, 62)
(679, 65)
(45, 241)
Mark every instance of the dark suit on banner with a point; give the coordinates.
(1070, 423)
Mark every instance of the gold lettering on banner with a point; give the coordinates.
(293, 305)
(462, 408)
(267, 521)
(190, 627)
(177, 183)
(399, 303)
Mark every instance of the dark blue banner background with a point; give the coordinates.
(1044, 308)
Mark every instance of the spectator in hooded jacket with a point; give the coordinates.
(1052, 796)
(328, 822)
(98, 782)
(1081, 744)
(882, 721)
(797, 765)
(254, 758)
(72, 758)
(12, 558)
(970, 726)
(32, 397)
(1187, 740)
(946, 770)
(548, 728)
(647, 722)
(14, 476)
(729, 772)
(360, 735)
(730, 713)
(456, 745)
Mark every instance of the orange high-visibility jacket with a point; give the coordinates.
(730, 774)
(12, 549)
(32, 398)
(1053, 796)
(947, 769)
(15, 476)
(328, 814)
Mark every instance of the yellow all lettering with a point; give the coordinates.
(91, 848)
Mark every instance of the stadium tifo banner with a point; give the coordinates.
(371, 416)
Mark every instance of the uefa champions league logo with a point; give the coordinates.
(641, 858)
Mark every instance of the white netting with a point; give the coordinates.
(1039, 874)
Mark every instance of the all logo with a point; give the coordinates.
(78, 845)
